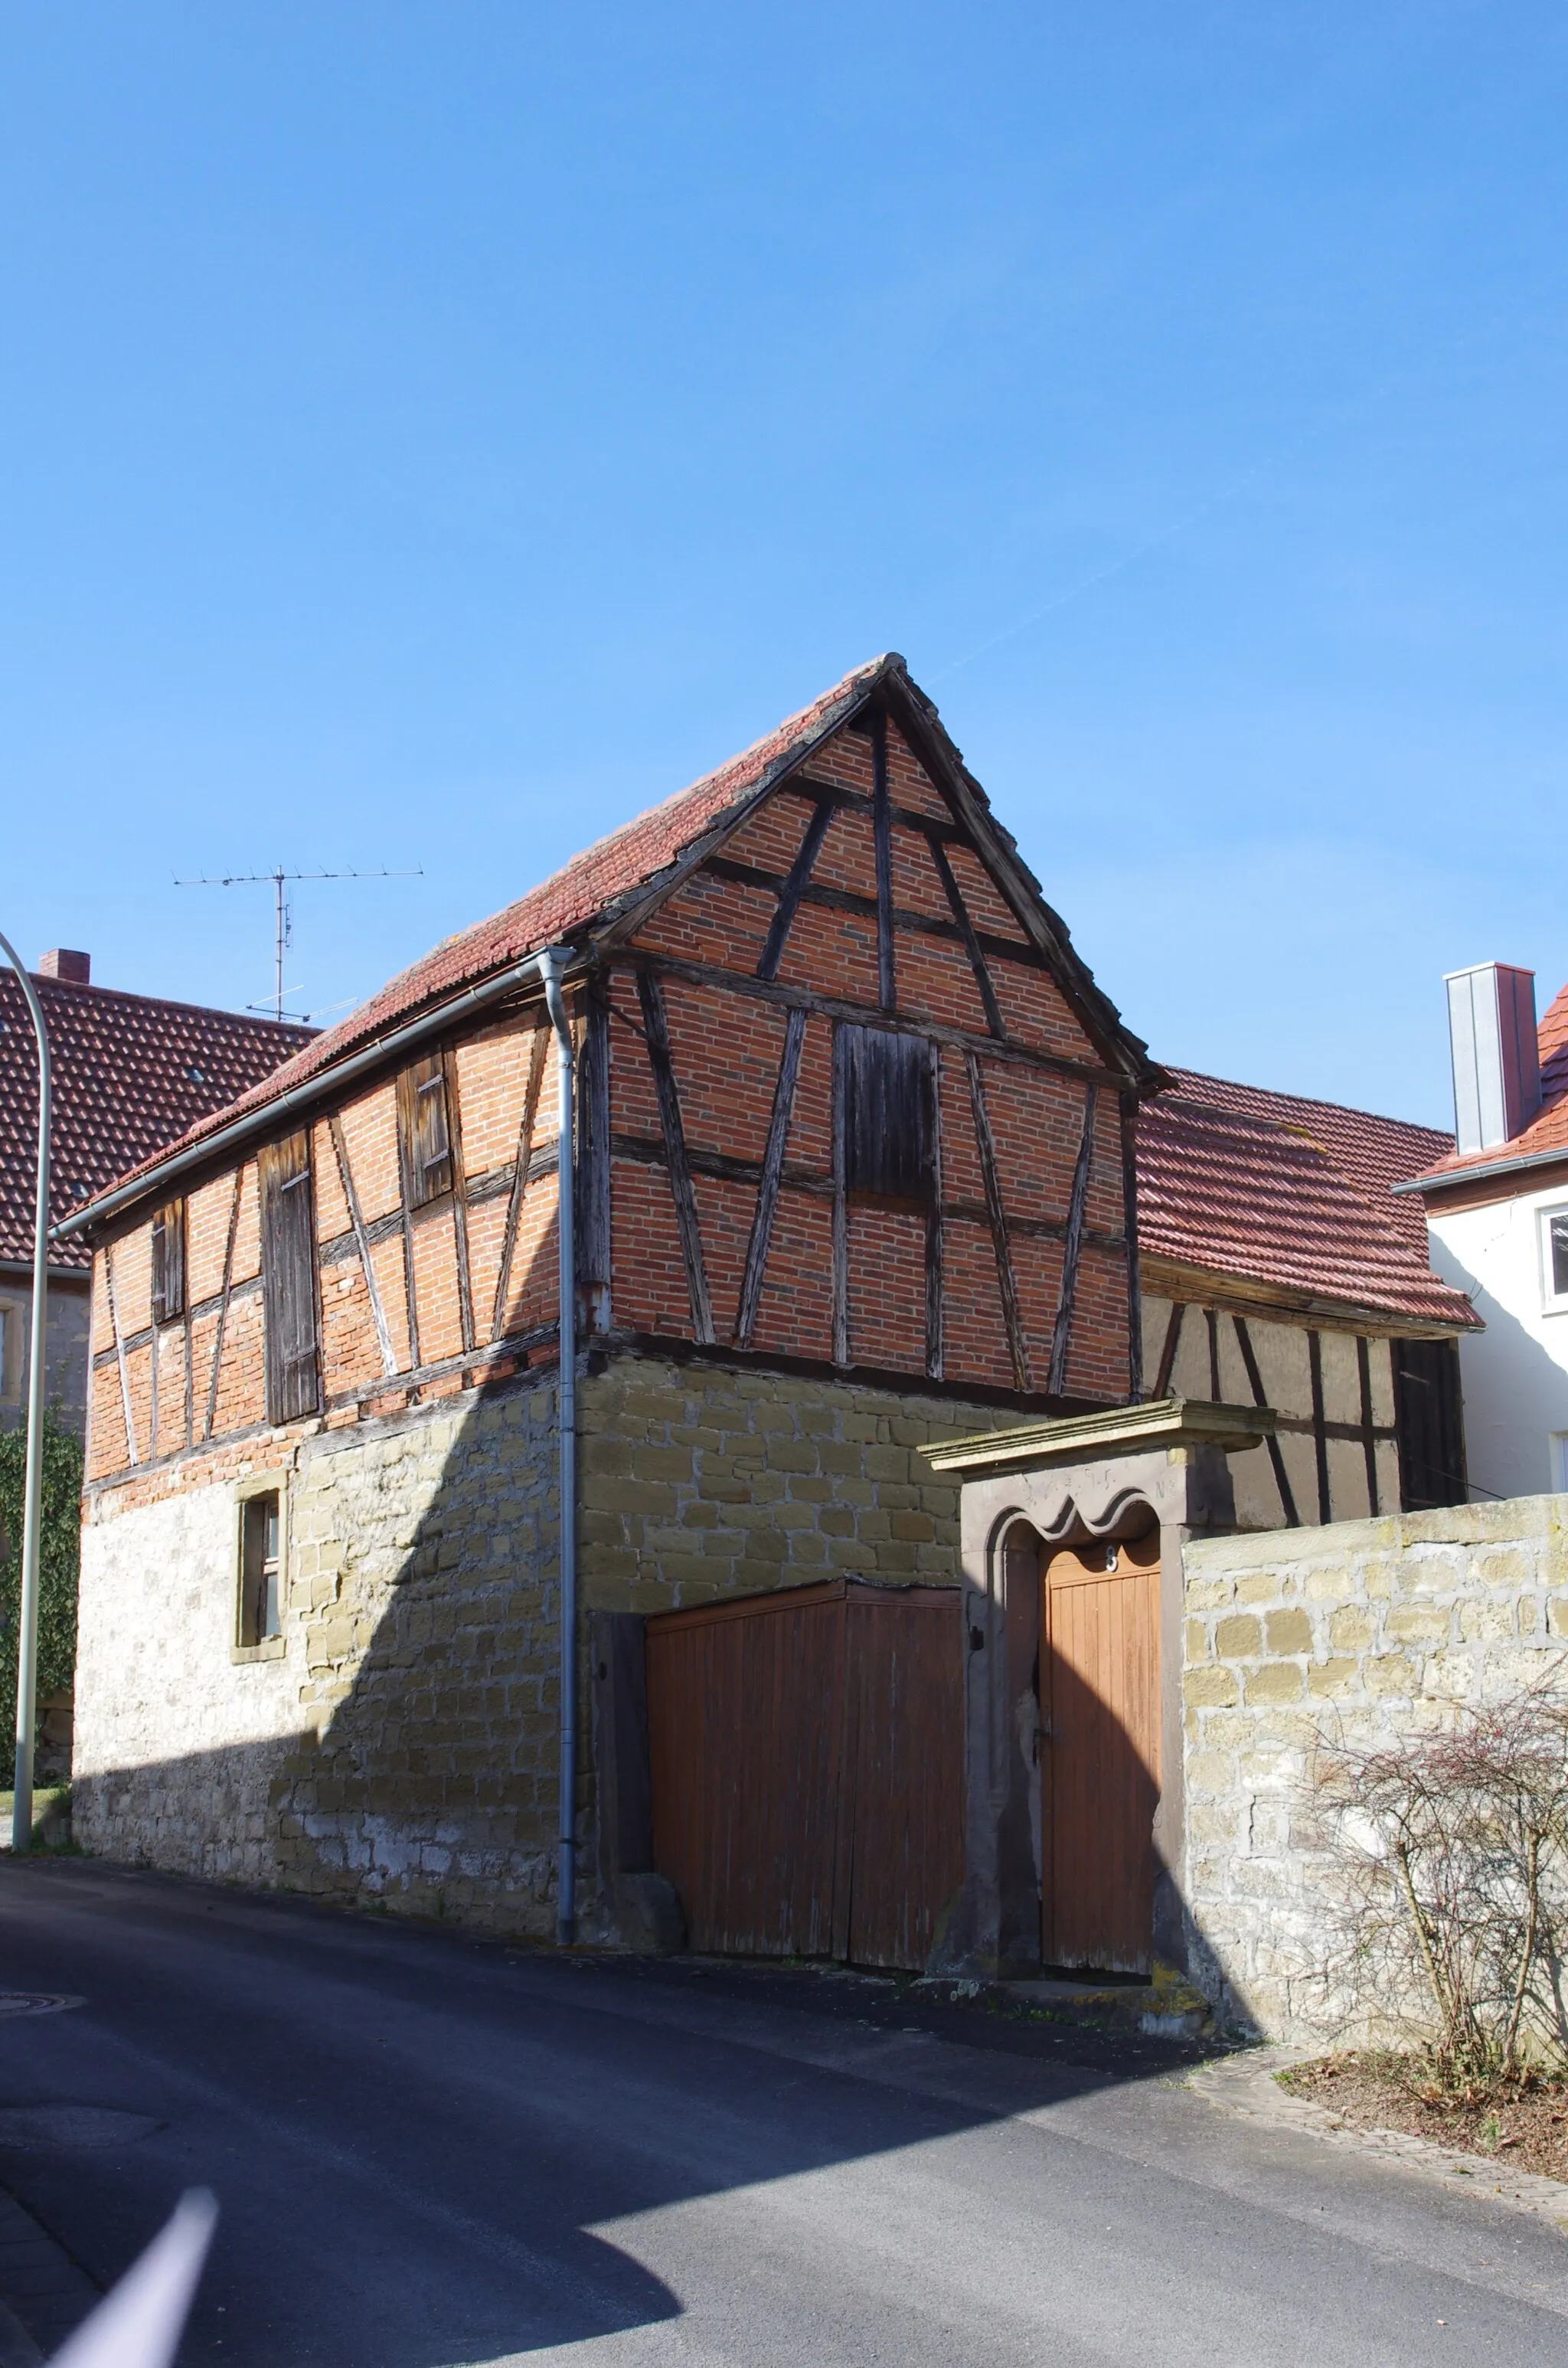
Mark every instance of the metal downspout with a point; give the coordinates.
(32, 1504)
(549, 967)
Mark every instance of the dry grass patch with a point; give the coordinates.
(1521, 2122)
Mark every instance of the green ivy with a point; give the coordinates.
(59, 1559)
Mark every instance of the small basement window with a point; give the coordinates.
(1555, 1259)
(261, 1603)
(889, 1104)
(168, 1262)
(423, 1125)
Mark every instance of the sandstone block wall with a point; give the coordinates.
(175, 1743)
(401, 1747)
(699, 1482)
(1365, 1630)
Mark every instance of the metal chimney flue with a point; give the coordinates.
(1496, 1055)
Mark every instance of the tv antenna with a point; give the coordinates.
(285, 931)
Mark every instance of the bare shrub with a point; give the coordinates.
(1451, 1911)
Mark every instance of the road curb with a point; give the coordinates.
(1248, 2085)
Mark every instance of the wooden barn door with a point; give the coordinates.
(806, 1752)
(1100, 1754)
(902, 1809)
(744, 1737)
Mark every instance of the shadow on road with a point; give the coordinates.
(423, 2142)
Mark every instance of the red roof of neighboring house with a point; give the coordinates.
(130, 1073)
(1547, 1132)
(1276, 1189)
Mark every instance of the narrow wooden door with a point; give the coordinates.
(1100, 1754)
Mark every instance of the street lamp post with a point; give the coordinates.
(32, 1505)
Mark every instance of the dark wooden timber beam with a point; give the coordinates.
(357, 1223)
(460, 1197)
(905, 921)
(1369, 1435)
(1062, 1332)
(648, 1151)
(223, 1304)
(800, 998)
(593, 1245)
(881, 829)
(1168, 1351)
(1129, 1109)
(521, 1177)
(840, 1274)
(1320, 1436)
(769, 1178)
(791, 890)
(655, 1023)
(804, 785)
(986, 1143)
(934, 1256)
(1255, 1382)
(966, 931)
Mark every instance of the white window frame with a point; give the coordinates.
(1554, 1302)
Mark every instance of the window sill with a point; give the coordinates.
(271, 1648)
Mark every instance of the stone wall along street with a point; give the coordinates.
(1365, 1631)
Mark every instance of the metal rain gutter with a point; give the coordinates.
(550, 965)
(1516, 1166)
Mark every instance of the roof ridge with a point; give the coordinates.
(1311, 1101)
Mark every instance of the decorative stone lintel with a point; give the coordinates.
(1171, 1423)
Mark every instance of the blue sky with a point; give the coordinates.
(430, 433)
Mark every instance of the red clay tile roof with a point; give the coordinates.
(604, 875)
(129, 1075)
(614, 874)
(1276, 1189)
(1547, 1132)
(1552, 1035)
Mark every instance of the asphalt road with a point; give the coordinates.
(431, 2150)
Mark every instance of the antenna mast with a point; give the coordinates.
(284, 936)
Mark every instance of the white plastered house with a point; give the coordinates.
(1498, 1222)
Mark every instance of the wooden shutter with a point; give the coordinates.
(168, 1262)
(1429, 1417)
(888, 1114)
(423, 1127)
(289, 1278)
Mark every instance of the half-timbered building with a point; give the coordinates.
(854, 1170)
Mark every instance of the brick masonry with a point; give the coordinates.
(1366, 1630)
(402, 1746)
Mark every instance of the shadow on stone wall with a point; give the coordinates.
(422, 1663)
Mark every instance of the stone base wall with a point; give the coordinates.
(402, 1745)
(1363, 1632)
(175, 1745)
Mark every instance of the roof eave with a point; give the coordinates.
(1326, 1307)
(183, 1159)
(1435, 1179)
(1123, 1050)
